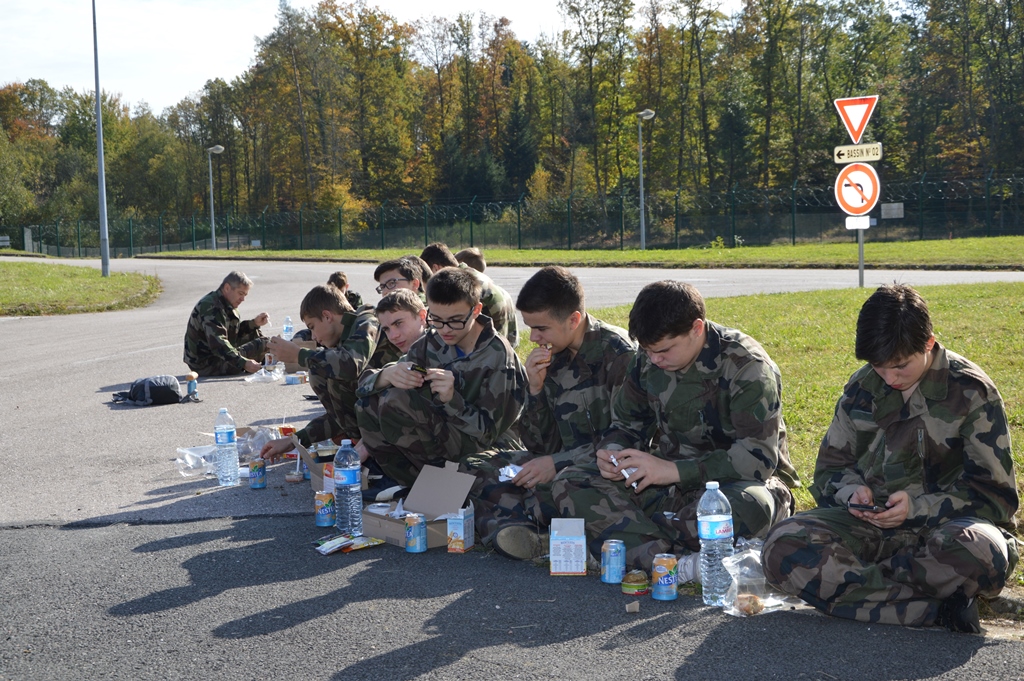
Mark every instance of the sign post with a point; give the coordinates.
(857, 185)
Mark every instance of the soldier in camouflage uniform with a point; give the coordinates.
(920, 433)
(471, 394)
(217, 342)
(348, 338)
(340, 279)
(498, 304)
(712, 396)
(572, 372)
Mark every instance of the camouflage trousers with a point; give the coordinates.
(502, 504)
(254, 350)
(851, 569)
(340, 422)
(661, 519)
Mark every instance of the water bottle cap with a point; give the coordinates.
(346, 443)
(223, 410)
(712, 484)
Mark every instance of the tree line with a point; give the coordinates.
(344, 105)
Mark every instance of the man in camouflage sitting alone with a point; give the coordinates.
(713, 398)
(217, 342)
(914, 482)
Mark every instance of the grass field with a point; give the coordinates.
(44, 289)
(995, 252)
(810, 336)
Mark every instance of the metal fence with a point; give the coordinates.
(913, 209)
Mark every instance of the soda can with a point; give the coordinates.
(258, 474)
(323, 502)
(613, 561)
(663, 578)
(415, 533)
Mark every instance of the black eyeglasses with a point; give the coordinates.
(454, 324)
(390, 284)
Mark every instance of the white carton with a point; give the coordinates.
(460, 530)
(568, 547)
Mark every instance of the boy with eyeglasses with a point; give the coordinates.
(457, 391)
(712, 397)
(396, 274)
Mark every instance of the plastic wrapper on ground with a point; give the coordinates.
(750, 593)
(196, 461)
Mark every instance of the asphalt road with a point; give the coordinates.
(115, 566)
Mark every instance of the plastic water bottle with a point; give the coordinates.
(287, 329)
(227, 450)
(714, 527)
(348, 492)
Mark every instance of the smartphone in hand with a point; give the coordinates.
(867, 507)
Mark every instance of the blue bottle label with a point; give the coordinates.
(224, 437)
(714, 529)
(346, 476)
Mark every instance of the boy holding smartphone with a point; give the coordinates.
(914, 483)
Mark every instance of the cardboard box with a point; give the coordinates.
(568, 547)
(436, 492)
(292, 367)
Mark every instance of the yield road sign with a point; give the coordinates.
(857, 152)
(857, 189)
(855, 113)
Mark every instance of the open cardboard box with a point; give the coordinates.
(437, 491)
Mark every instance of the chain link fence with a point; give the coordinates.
(911, 209)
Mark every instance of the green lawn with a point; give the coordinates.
(995, 252)
(810, 336)
(44, 289)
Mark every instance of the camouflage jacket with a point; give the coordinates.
(720, 419)
(490, 386)
(354, 299)
(215, 333)
(948, 446)
(572, 411)
(342, 366)
(499, 306)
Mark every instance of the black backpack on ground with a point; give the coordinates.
(153, 390)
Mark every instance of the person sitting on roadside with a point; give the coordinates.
(348, 339)
(472, 257)
(914, 481)
(340, 279)
(217, 342)
(456, 392)
(578, 363)
(712, 398)
(497, 302)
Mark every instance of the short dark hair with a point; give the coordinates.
(664, 309)
(473, 257)
(236, 279)
(417, 261)
(553, 289)
(452, 285)
(325, 297)
(893, 324)
(403, 265)
(437, 254)
(339, 279)
(401, 299)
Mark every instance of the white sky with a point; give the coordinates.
(160, 51)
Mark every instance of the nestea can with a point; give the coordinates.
(258, 474)
(663, 578)
(323, 502)
(415, 533)
(613, 561)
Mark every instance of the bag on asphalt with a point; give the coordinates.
(153, 390)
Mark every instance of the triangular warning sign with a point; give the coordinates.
(856, 112)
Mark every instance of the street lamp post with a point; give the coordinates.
(216, 149)
(644, 115)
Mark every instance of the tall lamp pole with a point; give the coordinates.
(104, 237)
(215, 149)
(644, 115)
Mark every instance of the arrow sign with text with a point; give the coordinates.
(857, 152)
(856, 112)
